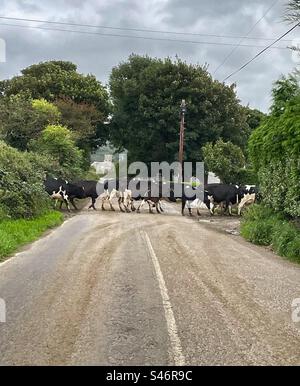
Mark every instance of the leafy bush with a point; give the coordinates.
(262, 226)
(22, 192)
(22, 120)
(224, 159)
(280, 186)
(274, 149)
(57, 142)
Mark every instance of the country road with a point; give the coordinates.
(108, 288)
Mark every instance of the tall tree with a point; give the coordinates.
(292, 13)
(225, 160)
(146, 95)
(55, 80)
(23, 119)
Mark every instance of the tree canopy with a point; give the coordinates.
(81, 101)
(57, 142)
(22, 119)
(146, 95)
(292, 13)
(56, 79)
(225, 160)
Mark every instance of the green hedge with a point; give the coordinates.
(22, 193)
(274, 149)
(262, 226)
(16, 233)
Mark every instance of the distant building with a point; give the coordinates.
(105, 166)
(213, 179)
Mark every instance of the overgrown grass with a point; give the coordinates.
(16, 233)
(263, 226)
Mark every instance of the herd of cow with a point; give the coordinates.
(223, 195)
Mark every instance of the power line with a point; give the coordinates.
(247, 34)
(135, 36)
(262, 51)
(135, 29)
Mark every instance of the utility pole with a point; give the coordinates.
(181, 135)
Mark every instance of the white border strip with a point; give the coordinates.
(179, 359)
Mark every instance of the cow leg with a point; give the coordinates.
(133, 209)
(103, 199)
(126, 202)
(229, 206)
(183, 202)
(66, 201)
(120, 200)
(73, 203)
(150, 205)
(111, 206)
(93, 204)
(112, 195)
(157, 207)
(212, 208)
(160, 207)
(140, 206)
(189, 208)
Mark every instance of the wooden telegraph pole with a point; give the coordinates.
(181, 134)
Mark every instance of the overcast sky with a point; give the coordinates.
(97, 54)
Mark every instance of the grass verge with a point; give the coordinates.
(16, 233)
(262, 226)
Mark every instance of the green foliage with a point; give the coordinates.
(57, 142)
(55, 79)
(285, 89)
(16, 233)
(262, 226)
(86, 123)
(82, 102)
(292, 13)
(278, 137)
(274, 149)
(22, 119)
(254, 118)
(280, 186)
(224, 159)
(146, 95)
(46, 109)
(21, 184)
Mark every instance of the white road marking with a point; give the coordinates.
(179, 359)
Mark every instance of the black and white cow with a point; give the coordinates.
(91, 190)
(152, 196)
(250, 196)
(118, 189)
(63, 191)
(230, 195)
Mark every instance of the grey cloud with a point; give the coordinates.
(96, 54)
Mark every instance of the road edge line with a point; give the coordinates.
(178, 356)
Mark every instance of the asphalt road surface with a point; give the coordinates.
(139, 289)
